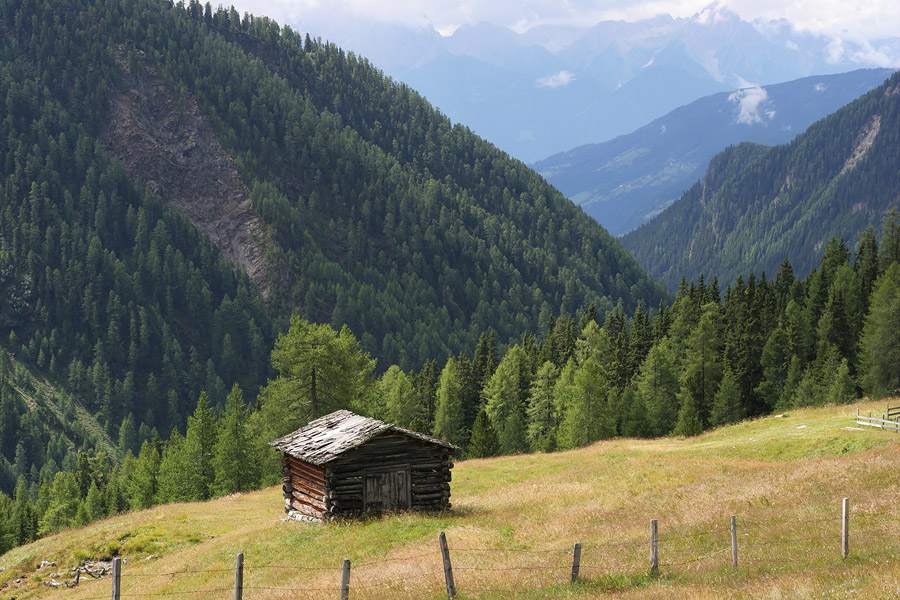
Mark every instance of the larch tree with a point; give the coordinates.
(319, 371)
(657, 385)
(585, 418)
(400, 401)
(174, 474)
(701, 372)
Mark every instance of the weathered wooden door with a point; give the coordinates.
(387, 489)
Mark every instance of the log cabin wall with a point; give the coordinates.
(304, 488)
(429, 473)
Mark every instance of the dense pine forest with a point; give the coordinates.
(758, 204)
(410, 272)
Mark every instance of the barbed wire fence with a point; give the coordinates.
(740, 546)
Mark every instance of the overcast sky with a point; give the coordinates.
(870, 19)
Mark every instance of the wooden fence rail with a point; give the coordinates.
(653, 568)
(885, 422)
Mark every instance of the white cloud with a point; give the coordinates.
(820, 87)
(561, 79)
(752, 105)
(868, 18)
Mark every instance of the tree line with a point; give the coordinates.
(708, 359)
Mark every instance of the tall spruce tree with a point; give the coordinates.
(727, 406)
(235, 457)
(541, 413)
(448, 411)
(199, 444)
(484, 442)
(880, 340)
(505, 399)
(774, 361)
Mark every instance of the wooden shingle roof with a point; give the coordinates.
(326, 438)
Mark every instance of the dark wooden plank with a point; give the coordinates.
(307, 481)
(302, 468)
(298, 499)
(311, 492)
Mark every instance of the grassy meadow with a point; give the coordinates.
(515, 519)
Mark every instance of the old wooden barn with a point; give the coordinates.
(344, 464)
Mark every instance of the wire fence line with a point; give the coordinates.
(758, 544)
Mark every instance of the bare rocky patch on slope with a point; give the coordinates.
(865, 141)
(165, 143)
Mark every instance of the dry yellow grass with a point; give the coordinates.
(515, 520)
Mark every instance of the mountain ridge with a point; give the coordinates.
(719, 50)
(626, 181)
(758, 205)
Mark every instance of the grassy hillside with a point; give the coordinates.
(515, 519)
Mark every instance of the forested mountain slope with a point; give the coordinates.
(120, 302)
(757, 206)
(150, 147)
(381, 213)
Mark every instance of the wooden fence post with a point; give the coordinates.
(239, 576)
(448, 568)
(117, 578)
(654, 548)
(845, 528)
(576, 561)
(345, 580)
(734, 562)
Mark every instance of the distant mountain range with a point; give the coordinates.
(758, 205)
(626, 181)
(552, 88)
